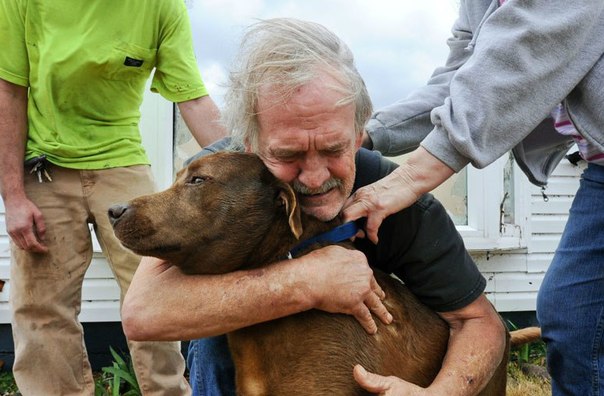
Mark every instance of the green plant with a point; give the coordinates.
(533, 352)
(7, 384)
(118, 379)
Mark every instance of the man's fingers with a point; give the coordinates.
(374, 221)
(354, 209)
(377, 289)
(38, 248)
(371, 382)
(40, 227)
(377, 307)
(33, 245)
(18, 240)
(26, 239)
(373, 304)
(363, 316)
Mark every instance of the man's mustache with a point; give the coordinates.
(300, 188)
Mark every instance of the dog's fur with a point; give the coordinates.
(226, 212)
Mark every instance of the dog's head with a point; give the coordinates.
(213, 218)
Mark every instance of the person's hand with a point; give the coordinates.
(343, 283)
(400, 189)
(378, 201)
(25, 225)
(386, 386)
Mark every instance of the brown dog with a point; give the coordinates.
(226, 212)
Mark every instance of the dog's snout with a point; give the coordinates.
(116, 212)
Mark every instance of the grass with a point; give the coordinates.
(7, 384)
(119, 379)
(521, 384)
(526, 371)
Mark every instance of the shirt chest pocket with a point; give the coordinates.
(129, 61)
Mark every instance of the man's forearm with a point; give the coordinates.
(13, 135)
(203, 120)
(164, 304)
(475, 350)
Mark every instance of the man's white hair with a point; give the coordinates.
(285, 54)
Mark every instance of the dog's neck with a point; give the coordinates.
(337, 234)
(279, 240)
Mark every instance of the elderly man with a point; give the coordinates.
(299, 103)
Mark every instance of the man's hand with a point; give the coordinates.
(344, 283)
(386, 386)
(25, 225)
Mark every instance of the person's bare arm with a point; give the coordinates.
(203, 120)
(24, 221)
(477, 343)
(400, 189)
(164, 304)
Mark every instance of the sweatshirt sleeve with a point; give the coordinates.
(400, 127)
(528, 57)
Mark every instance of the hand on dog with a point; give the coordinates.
(345, 284)
(385, 386)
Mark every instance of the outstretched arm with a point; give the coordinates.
(164, 304)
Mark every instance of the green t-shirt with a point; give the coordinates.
(86, 64)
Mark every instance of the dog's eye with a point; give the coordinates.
(198, 179)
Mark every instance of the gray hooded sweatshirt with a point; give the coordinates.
(508, 66)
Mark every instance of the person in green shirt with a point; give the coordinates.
(72, 78)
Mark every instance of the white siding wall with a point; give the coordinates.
(514, 277)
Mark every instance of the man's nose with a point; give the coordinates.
(314, 172)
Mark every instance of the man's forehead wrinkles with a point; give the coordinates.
(291, 147)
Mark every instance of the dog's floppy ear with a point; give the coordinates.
(287, 197)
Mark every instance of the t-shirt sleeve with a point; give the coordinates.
(422, 247)
(177, 76)
(14, 61)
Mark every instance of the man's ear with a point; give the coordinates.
(359, 141)
(287, 197)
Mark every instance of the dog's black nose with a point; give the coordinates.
(115, 212)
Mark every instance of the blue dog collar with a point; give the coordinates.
(337, 234)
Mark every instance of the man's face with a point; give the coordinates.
(310, 143)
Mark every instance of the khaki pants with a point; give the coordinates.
(46, 289)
